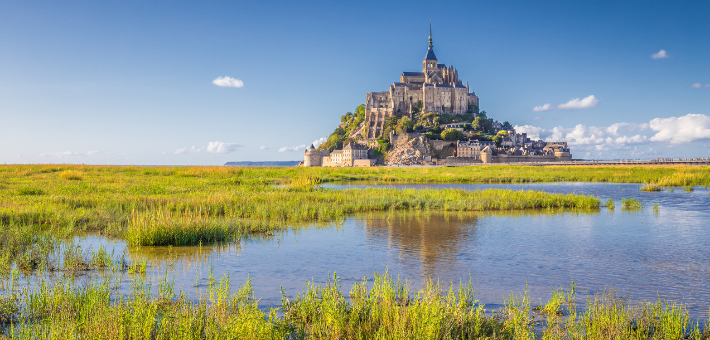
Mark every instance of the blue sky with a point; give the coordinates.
(132, 82)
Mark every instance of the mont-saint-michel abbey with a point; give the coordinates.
(437, 86)
(442, 127)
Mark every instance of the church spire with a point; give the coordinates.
(430, 44)
(430, 52)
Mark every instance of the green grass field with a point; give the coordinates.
(381, 308)
(41, 205)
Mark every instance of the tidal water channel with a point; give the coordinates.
(639, 255)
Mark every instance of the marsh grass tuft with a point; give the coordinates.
(610, 204)
(688, 189)
(71, 175)
(29, 191)
(631, 204)
(651, 187)
(382, 308)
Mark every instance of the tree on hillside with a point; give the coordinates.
(432, 135)
(506, 125)
(360, 111)
(482, 114)
(417, 109)
(351, 122)
(502, 133)
(452, 135)
(482, 124)
(389, 125)
(405, 124)
(498, 140)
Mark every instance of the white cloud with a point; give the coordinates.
(228, 82)
(221, 147)
(676, 130)
(533, 132)
(263, 148)
(536, 118)
(699, 85)
(662, 54)
(688, 128)
(302, 147)
(574, 103)
(545, 107)
(185, 150)
(69, 153)
(595, 137)
(617, 128)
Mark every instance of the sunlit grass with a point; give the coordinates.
(194, 205)
(381, 308)
(651, 187)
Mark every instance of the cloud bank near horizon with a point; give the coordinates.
(186, 150)
(302, 147)
(624, 135)
(572, 104)
(69, 153)
(222, 147)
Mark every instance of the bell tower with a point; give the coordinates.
(430, 62)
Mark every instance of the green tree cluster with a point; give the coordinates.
(453, 135)
(348, 123)
(482, 124)
(432, 122)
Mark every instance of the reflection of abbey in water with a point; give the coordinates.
(435, 239)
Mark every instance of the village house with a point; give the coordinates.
(353, 154)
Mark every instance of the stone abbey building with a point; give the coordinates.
(437, 87)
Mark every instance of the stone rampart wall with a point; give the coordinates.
(440, 144)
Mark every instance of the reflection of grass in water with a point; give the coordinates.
(656, 208)
(384, 308)
(189, 206)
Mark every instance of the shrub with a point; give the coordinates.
(651, 187)
(452, 135)
(30, 191)
(71, 175)
(631, 203)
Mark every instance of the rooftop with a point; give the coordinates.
(430, 54)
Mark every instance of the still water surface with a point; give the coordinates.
(639, 255)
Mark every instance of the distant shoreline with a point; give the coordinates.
(264, 163)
